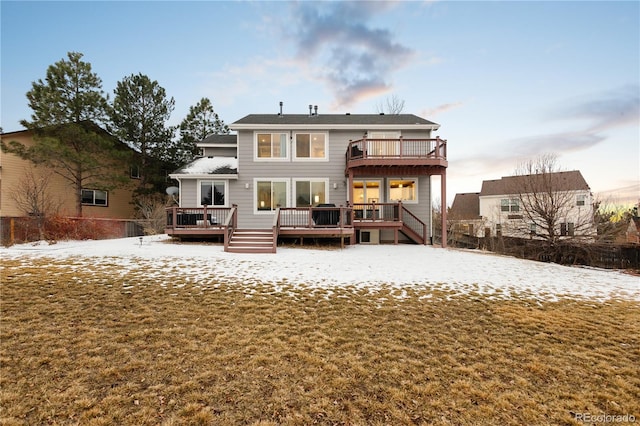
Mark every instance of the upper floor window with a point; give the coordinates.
(581, 200)
(403, 190)
(271, 145)
(94, 197)
(509, 205)
(383, 144)
(311, 146)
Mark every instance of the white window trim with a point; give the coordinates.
(287, 182)
(415, 179)
(380, 185)
(294, 147)
(271, 159)
(510, 204)
(294, 194)
(581, 198)
(226, 192)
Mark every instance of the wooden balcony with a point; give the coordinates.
(370, 154)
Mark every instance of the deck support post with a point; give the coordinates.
(443, 206)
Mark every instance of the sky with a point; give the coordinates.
(156, 260)
(506, 81)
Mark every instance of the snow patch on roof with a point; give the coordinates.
(211, 165)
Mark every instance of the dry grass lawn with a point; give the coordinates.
(87, 348)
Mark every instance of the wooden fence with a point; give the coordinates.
(599, 255)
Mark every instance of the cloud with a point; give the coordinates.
(354, 59)
(618, 107)
(508, 154)
(431, 112)
(600, 113)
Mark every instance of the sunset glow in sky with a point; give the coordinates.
(505, 80)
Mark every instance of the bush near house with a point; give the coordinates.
(18, 230)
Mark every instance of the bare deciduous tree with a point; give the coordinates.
(151, 209)
(548, 200)
(33, 195)
(392, 105)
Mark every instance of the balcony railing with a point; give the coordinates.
(397, 151)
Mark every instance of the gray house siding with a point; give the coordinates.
(333, 170)
(220, 151)
(249, 170)
(189, 193)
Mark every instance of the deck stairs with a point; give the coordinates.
(251, 241)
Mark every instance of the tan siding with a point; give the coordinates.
(13, 170)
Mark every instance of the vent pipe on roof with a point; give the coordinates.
(280, 113)
(315, 110)
(310, 110)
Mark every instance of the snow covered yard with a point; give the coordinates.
(155, 332)
(457, 272)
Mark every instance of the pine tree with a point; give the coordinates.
(139, 115)
(201, 122)
(68, 107)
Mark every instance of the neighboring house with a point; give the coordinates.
(464, 216)
(501, 212)
(632, 233)
(97, 203)
(361, 177)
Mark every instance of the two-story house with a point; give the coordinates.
(360, 177)
(504, 206)
(21, 182)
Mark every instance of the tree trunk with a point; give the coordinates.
(78, 196)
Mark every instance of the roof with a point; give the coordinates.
(334, 120)
(210, 166)
(465, 206)
(560, 181)
(216, 139)
(86, 124)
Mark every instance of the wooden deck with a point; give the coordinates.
(298, 222)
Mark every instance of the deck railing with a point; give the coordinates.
(194, 217)
(388, 212)
(314, 217)
(401, 148)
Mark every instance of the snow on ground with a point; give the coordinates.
(372, 266)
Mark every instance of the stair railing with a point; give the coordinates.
(230, 224)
